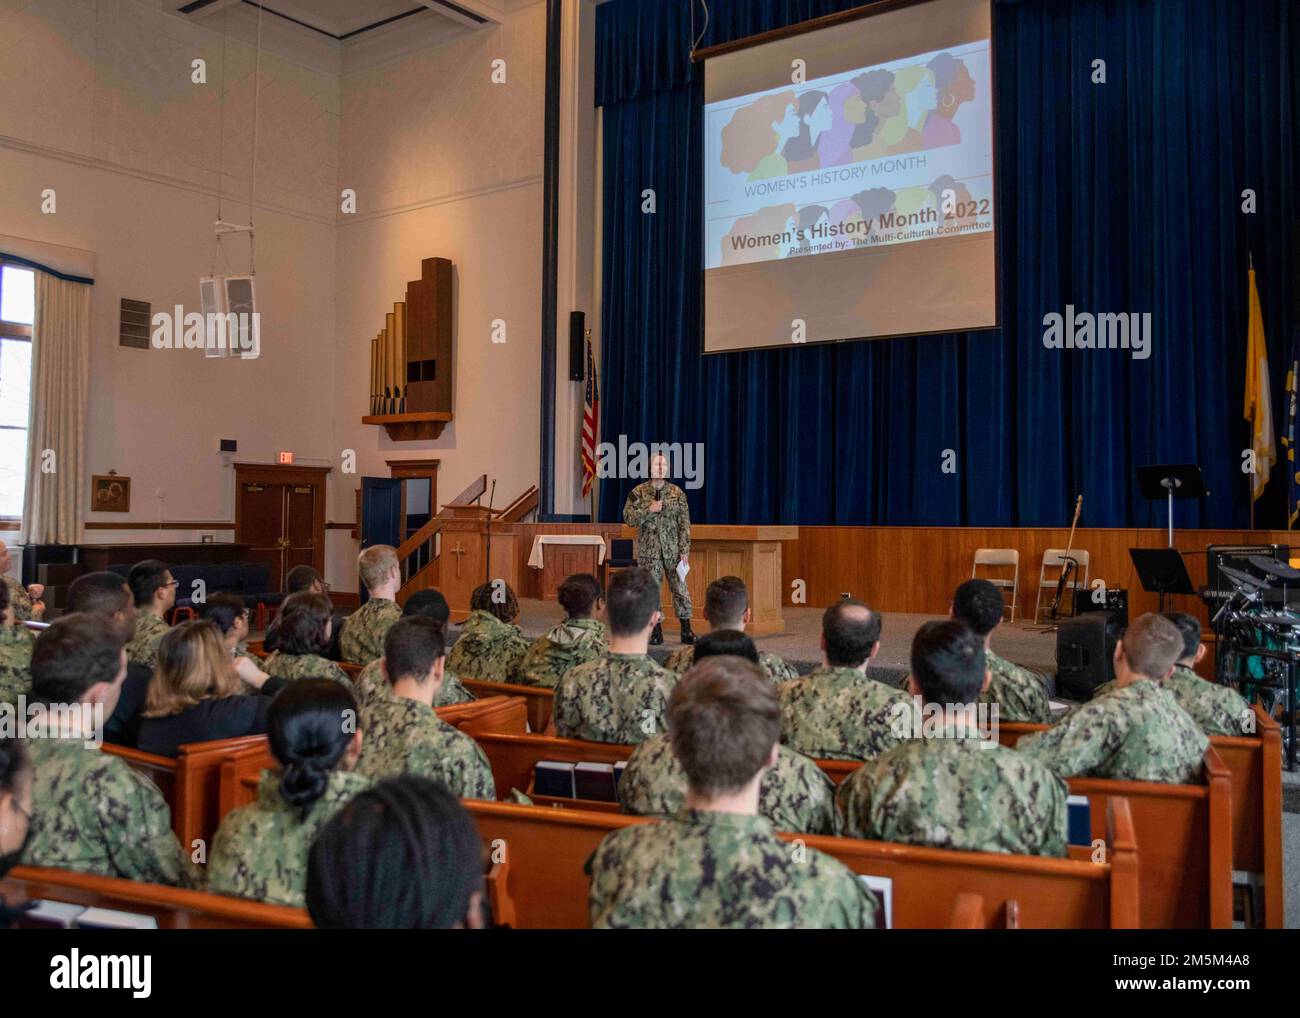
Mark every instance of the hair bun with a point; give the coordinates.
(302, 783)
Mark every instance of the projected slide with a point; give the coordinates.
(853, 160)
(857, 202)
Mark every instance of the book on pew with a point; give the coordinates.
(111, 919)
(595, 781)
(882, 889)
(554, 778)
(1078, 820)
(51, 915)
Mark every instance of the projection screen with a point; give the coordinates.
(849, 180)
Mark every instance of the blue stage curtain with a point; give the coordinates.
(1125, 196)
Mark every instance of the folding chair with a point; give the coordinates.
(1049, 575)
(999, 558)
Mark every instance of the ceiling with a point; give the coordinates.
(348, 19)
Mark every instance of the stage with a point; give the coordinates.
(799, 644)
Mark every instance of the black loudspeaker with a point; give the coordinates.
(1116, 603)
(228, 445)
(577, 346)
(1085, 651)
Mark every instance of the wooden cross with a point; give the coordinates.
(458, 551)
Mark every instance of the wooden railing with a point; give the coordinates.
(417, 558)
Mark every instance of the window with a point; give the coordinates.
(17, 310)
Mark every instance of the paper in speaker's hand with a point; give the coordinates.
(682, 569)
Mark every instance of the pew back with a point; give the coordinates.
(196, 812)
(1254, 764)
(514, 757)
(547, 850)
(540, 699)
(1246, 775)
(1185, 833)
(173, 908)
(161, 770)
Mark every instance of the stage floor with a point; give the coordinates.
(800, 643)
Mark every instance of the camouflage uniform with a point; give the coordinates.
(362, 638)
(15, 663)
(19, 598)
(1218, 709)
(662, 538)
(487, 649)
(572, 642)
(91, 813)
(1021, 694)
(402, 736)
(1138, 733)
(795, 794)
(617, 698)
(956, 791)
(305, 666)
(149, 631)
(371, 686)
(778, 669)
(260, 851)
(840, 714)
(720, 871)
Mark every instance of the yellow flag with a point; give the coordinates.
(1259, 400)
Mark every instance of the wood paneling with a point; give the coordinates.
(914, 569)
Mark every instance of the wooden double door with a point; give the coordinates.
(280, 515)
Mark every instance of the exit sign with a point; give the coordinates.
(286, 456)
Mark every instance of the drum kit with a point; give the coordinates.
(1256, 619)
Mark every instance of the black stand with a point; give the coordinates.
(1161, 571)
(1170, 481)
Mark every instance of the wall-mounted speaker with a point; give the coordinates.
(229, 445)
(577, 346)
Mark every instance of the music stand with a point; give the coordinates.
(1161, 571)
(1170, 481)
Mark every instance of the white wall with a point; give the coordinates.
(446, 163)
(100, 106)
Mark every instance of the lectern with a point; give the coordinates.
(751, 552)
(478, 545)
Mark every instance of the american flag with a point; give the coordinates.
(590, 423)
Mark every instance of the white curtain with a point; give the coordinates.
(54, 503)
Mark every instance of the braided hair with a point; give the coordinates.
(310, 725)
(404, 854)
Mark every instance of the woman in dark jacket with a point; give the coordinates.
(197, 693)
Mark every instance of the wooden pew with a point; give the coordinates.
(161, 770)
(190, 782)
(547, 849)
(514, 757)
(540, 699)
(1254, 765)
(175, 909)
(504, 714)
(241, 769)
(1254, 768)
(1185, 827)
(1186, 834)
